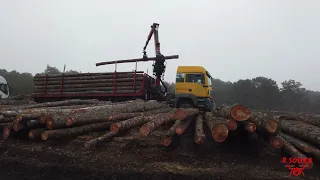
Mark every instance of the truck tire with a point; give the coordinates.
(186, 105)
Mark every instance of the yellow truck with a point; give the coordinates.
(193, 88)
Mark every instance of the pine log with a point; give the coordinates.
(264, 123)
(250, 127)
(275, 142)
(100, 139)
(128, 124)
(111, 80)
(36, 133)
(102, 112)
(294, 153)
(56, 122)
(231, 124)
(86, 93)
(303, 146)
(4, 124)
(64, 103)
(306, 118)
(43, 76)
(6, 131)
(75, 131)
(237, 112)
(155, 121)
(6, 119)
(124, 116)
(302, 130)
(199, 135)
(33, 124)
(167, 139)
(17, 126)
(102, 89)
(66, 78)
(70, 86)
(182, 114)
(217, 126)
(181, 128)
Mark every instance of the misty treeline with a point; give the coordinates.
(260, 93)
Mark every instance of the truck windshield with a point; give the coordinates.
(195, 78)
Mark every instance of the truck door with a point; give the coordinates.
(194, 84)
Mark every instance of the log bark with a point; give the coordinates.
(306, 118)
(6, 119)
(102, 89)
(76, 131)
(87, 93)
(303, 146)
(294, 153)
(43, 76)
(6, 131)
(167, 139)
(111, 80)
(199, 135)
(64, 103)
(219, 131)
(4, 124)
(100, 139)
(34, 124)
(182, 114)
(264, 123)
(275, 142)
(237, 112)
(181, 128)
(250, 127)
(102, 112)
(56, 122)
(302, 130)
(128, 124)
(21, 117)
(36, 133)
(231, 124)
(70, 86)
(155, 121)
(17, 126)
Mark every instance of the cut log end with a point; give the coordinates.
(251, 127)
(276, 142)
(180, 114)
(240, 113)
(145, 130)
(19, 118)
(30, 135)
(43, 119)
(69, 121)
(166, 141)
(44, 136)
(179, 130)
(49, 124)
(220, 133)
(114, 127)
(16, 127)
(6, 132)
(231, 124)
(271, 125)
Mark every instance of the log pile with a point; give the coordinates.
(298, 135)
(88, 83)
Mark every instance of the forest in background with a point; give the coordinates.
(260, 93)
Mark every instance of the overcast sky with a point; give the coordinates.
(233, 39)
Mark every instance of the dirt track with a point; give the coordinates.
(127, 158)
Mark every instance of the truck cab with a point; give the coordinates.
(4, 88)
(193, 88)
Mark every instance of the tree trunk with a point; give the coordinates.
(217, 126)
(33, 124)
(9, 132)
(182, 114)
(250, 127)
(167, 139)
(303, 146)
(155, 121)
(308, 118)
(3, 125)
(76, 131)
(294, 153)
(231, 124)
(100, 139)
(264, 123)
(36, 133)
(302, 130)
(181, 128)
(42, 76)
(56, 122)
(102, 89)
(6, 131)
(199, 135)
(128, 124)
(5, 119)
(275, 142)
(237, 112)
(64, 103)
(17, 126)
(102, 113)
(93, 81)
(124, 116)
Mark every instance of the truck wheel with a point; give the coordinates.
(187, 105)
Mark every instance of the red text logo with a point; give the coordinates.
(296, 165)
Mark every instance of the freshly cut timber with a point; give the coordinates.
(167, 139)
(4, 124)
(71, 86)
(306, 118)
(33, 124)
(264, 123)
(237, 112)
(109, 76)
(82, 74)
(302, 130)
(21, 117)
(156, 121)
(199, 135)
(294, 153)
(275, 142)
(181, 128)
(76, 131)
(102, 112)
(18, 126)
(217, 126)
(93, 81)
(100, 139)
(250, 127)
(182, 114)
(102, 89)
(127, 124)
(303, 146)
(6, 131)
(231, 124)
(64, 103)
(56, 121)
(36, 133)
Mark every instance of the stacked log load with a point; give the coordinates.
(296, 134)
(88, 83)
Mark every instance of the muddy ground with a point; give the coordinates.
(132, 157)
